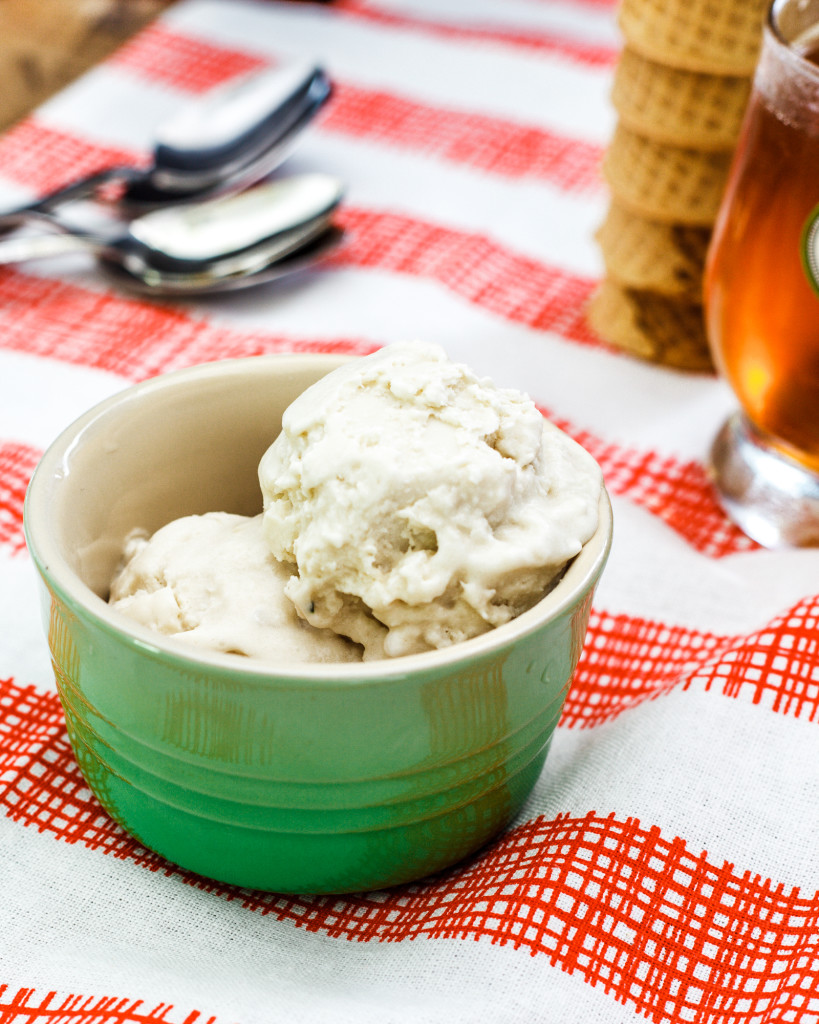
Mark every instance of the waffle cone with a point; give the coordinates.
(645, 254)
(658, 328)
(679, 108)
(714, 36)
(671, 184)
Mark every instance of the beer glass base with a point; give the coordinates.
(772, 498)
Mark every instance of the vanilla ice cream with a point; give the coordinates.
(419, 505)
(211, 582)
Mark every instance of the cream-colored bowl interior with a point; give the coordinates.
(186, 443)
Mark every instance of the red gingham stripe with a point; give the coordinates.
(182, 61)
(778, 666)
(17, 462)
(134, 339)
(489, 144)
(679, 493)
(472, 266)
(525, 39)
(42, 157)
(627, 660)
(654, 924)
(27, 1007)
(185, 61)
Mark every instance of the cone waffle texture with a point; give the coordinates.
(660, 328)
(672, 184)
(677, 107)
(712, 36)
(645, 254)
(680, 91)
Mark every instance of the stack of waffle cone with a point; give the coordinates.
(680, 90)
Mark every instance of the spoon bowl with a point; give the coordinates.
(255, 270)
(232, 138)
(230, 242)
(241, 133)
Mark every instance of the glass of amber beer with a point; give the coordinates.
(762, 292)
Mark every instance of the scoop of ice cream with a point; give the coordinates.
(210, 581)
(420, 504)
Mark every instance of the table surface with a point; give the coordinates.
(45, 44)
(665, 866)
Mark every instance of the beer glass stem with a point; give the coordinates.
(772, 498)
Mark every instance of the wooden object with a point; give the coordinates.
(45, 44)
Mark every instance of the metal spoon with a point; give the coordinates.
(194, 247)
(229, 140)
(160, 283)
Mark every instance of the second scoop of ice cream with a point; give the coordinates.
(420, 504)
(210, 582)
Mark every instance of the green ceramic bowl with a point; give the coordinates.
(308, 779)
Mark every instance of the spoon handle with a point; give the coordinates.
(34, 247)
(82, 188)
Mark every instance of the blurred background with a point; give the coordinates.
(45, 44)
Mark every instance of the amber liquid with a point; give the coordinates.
(763, 314)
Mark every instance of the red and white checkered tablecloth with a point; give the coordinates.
(666, 867)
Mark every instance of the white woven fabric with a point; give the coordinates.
(665, 866)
